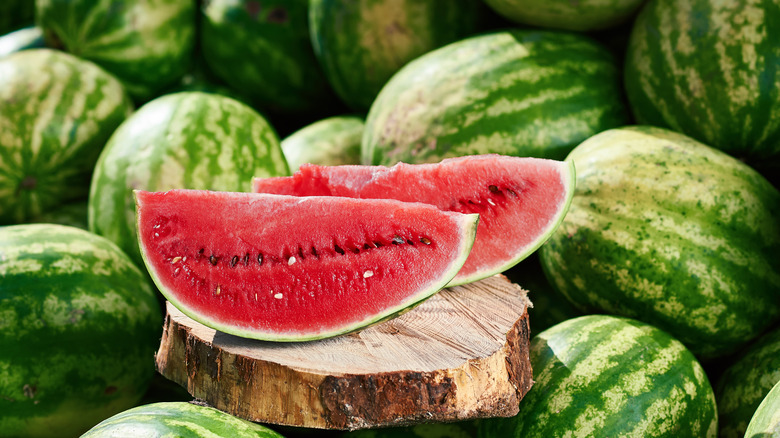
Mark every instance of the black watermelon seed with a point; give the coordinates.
(233, 261)
(338, 249)
(213, 259)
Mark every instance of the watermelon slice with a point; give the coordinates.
(520, 200)
(286, 268)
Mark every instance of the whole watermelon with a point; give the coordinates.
(80, 328)
(147, 44)
(581, 15)
(606, 376)
(180, 420)
(360, 44)
(188, 140)
(264, 50)
(515, 92)
(709, 69)
(57, 112)
(329, 142)
(744, 383)
(671, 232)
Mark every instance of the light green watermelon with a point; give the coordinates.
(328, 142)
(263, 49)
(360, 44)
(606, 376)
(179, 420)
(26, 38)
(581, 15)
(765, 423)
(708, 68)
(147, 44)
(744, 383)
(671, 232)
(57, 114)
(80, 325)
(517, 92)
(189, 140)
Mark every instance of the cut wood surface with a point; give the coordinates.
(461, 354)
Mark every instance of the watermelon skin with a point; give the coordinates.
(581, 16)
(746, 382)
(765, 423)
(80, 328)
(147, 44)
(520, 200)
(361, 44)
(178, 419)
(188, 140)
(671, 232)
(708, 69)
(600, 375)
(517, 92)
(26, 38)
(286, 268)
(332, 141)
(264, 50)
(58, 112)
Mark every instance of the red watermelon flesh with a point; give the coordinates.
(520, 200)
(287, 268)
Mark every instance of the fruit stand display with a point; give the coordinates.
(386, 218)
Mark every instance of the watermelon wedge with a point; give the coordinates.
(286, 268)
(520, 200)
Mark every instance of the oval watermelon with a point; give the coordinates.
(330, 142)
(147, 44)
(361, 44)
(80, 326)
(671, 232)
(520, 201)
(180, 420)
(517, 92)
(765, 423)
(286, 268)
(600, 375)
(581, 15)
(57, 113)
(185, 140)
(708, 69)
(742, 386)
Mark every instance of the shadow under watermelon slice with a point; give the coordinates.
(520, 200)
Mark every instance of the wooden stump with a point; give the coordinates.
(462, 354)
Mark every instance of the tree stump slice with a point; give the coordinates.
(461, 354)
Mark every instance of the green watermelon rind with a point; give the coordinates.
(766, 420)
(469, 222)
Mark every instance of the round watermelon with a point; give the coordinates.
(180, 420)
(517, 92)
(187, 140)
(600, 375)
(708, 68)
(744, 383)
(765, 423)
(22, 39)
(671, 232)
(264, 50)
(361, 44)
(147, 44)
(581, 15)
(57, 113)
(80, 328)
(329, 142)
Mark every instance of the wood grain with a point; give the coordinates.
(461, 354)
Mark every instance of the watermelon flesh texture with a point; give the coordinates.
(285, 268)
(520, 200)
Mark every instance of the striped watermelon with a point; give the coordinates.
(263, 49)
(147, 44)
(361, 44)
(517, 92)
(329, 142)
(180, 420)
(27, 38)
(708, 68)
(607, 376)
(57, 113)
(671, 232)
(80, 328)
(742, 386)
(765, 423)
(184, 140)
(581, 15)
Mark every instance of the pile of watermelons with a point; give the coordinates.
(656, 301)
